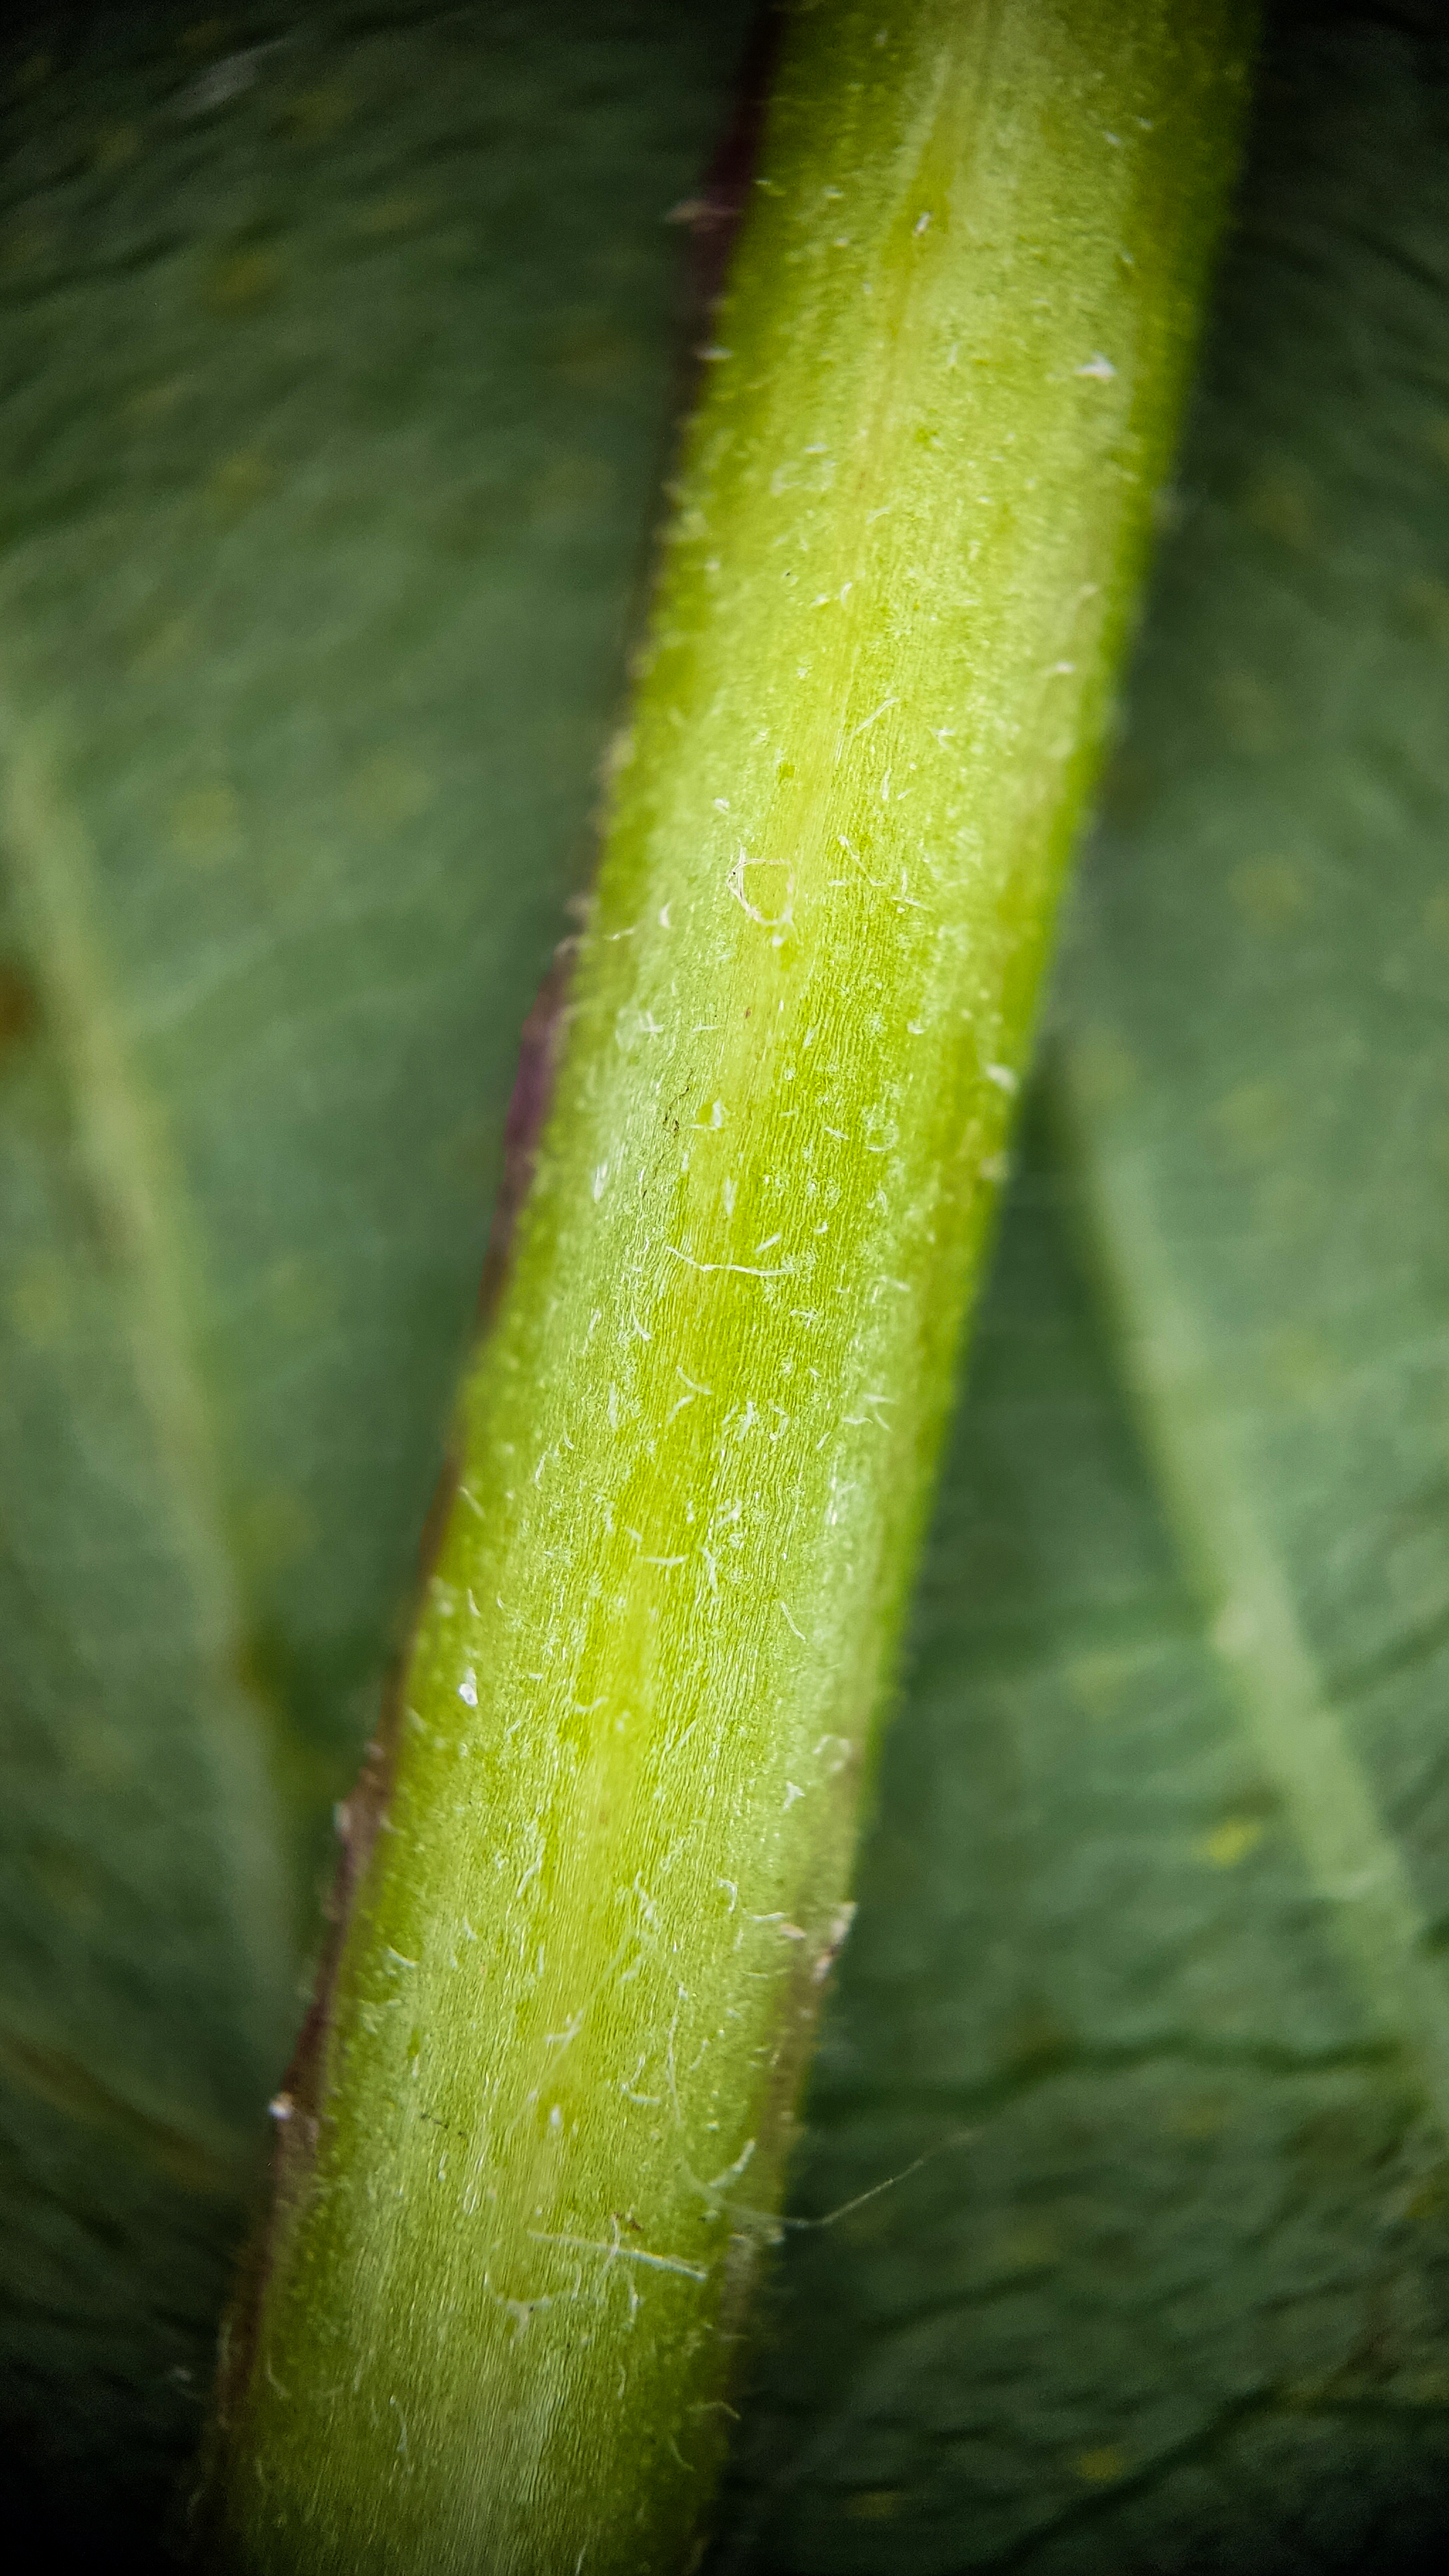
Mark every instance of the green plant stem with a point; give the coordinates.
(538, 2136)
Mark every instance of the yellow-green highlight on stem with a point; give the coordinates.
(511, 2254)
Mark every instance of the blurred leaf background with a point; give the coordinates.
(339, 360)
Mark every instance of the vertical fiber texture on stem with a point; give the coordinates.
(533, 2167)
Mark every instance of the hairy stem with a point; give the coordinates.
(540, 2129)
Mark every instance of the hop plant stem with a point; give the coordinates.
(537, 2138)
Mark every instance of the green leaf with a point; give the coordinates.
(1150, 1961)
(338, 358)
(1179, 2300)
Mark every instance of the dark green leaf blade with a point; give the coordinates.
(1258, 1078)
(1149, 1957)
(339, 352)
(1175, 2183)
